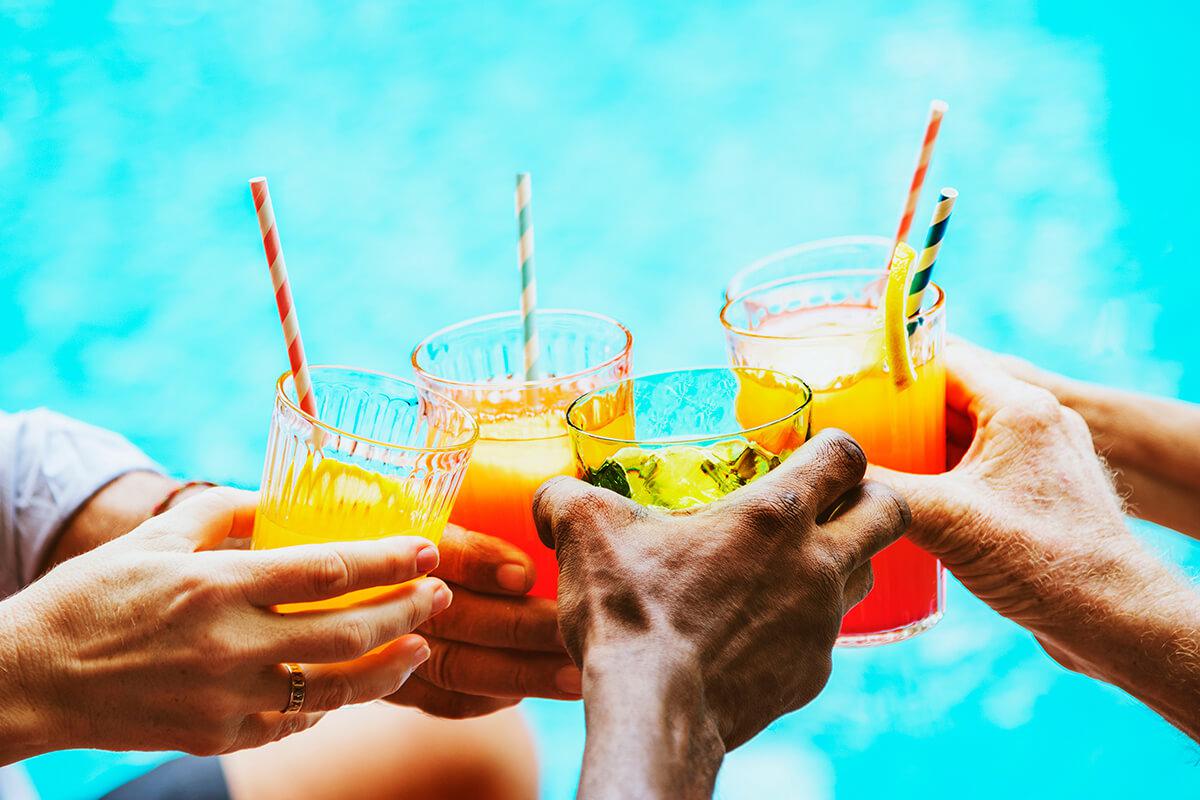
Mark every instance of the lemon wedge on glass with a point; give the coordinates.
(895, 321)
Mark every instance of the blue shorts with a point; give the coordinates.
(186, 778)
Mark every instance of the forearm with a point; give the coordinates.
(1142, 635)
(1152, 445)
(647, 733)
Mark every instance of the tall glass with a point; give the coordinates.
(523, 435)
(681, 439)
(823, 255)
(384, 457)
(826, 327)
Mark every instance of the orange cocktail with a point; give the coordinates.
(383, 457)
(523, 438)
(827, 328)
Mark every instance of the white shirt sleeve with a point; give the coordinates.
(15, 784)
(50, 465)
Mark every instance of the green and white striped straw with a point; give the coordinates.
(528, 278)
(933, 242)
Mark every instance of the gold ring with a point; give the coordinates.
(296, 686)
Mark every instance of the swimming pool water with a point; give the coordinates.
(669, 144)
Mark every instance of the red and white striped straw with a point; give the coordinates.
(283, 295)
(937, 109)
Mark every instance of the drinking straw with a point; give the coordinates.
(528, 279)
(937, 110)
(933, 242)
(283, 295)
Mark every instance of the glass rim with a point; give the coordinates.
(523, 385)
(281, 395)
(921, 318)
(574, 428)
(798, 249)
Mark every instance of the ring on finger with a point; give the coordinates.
(296, 687)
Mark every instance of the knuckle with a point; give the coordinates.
(767, 513)
(892, 505)
(1075, 423)
(453, 706)
(209, 741)
(438, 669)
(844, 452)
(195, 590)
(330, 573)
(337, 690)
(354, 637)
(583, 510)
(1037, 411)
(417, 606)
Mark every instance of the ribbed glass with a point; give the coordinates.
(386, 458)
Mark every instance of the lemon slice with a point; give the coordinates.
(895, 322)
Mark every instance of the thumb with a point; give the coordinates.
(204, 521)
(564, 505)
(937, 504)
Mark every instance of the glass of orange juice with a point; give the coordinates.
(827, 328)
(522, 429)
(384, 457)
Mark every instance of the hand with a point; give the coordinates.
(494, 646)
(743, 598)
(1028, 518)
(1152, 444)
(156, 641)
(1030, 523)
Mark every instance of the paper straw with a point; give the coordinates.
(933, 241)
(528, 278)
(283, 294)
(937, 110)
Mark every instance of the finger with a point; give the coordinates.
(204, 520)
(346, 634)
(484, 563)
(500, 673)
(257, 730)
(937, 504)
(419, 693)
(811, 480)
(564, 505)
(517, 623)
(858, 586)
(309, 572)
(978, 386)
(331, 686)
(871, 517)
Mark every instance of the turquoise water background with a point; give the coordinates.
(670, 143)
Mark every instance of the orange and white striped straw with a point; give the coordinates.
(283, 295)
(937, 109)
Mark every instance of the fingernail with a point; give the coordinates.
(569, 680)
(427, 558)
(441, 598)
(421, 656)
(512, 577)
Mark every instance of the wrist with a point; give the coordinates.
(25, 719)
(649, 731)
(113, 511)
(1138, 628)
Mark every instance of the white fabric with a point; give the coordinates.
(15, 784)
(49, 466)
